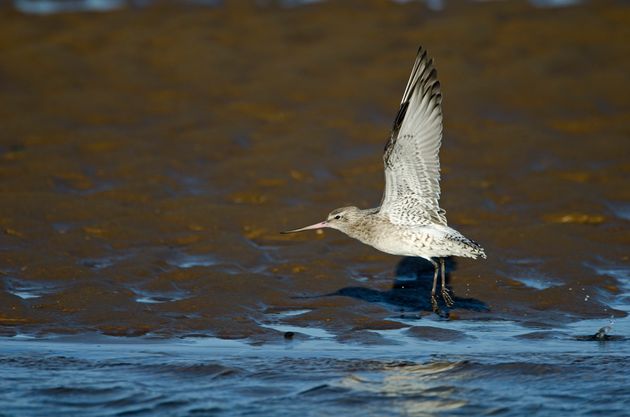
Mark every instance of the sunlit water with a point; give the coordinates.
(495, 368)
(434, 367)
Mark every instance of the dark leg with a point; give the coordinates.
(434, 304)
(448, 300)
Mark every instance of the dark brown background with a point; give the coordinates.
(156, 153)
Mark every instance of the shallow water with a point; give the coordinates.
(149, 156)
(467, 368)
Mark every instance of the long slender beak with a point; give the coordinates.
(319, 225)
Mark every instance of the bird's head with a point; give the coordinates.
(339, 219)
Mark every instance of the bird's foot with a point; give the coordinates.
(434, 304)
(446, 296)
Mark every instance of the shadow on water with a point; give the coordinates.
(411, 290)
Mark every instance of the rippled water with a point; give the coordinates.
(492, 368)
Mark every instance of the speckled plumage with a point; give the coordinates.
(426, 240)
(409, 220)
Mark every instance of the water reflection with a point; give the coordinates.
(415, 388)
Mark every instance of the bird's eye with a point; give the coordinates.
(337, 217)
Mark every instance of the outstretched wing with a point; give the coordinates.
(412, 165)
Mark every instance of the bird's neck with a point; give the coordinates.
(362, 228)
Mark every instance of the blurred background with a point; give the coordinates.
(151, 152)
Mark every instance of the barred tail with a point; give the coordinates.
(478, 250)
(469, 247)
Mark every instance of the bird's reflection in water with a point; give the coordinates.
(411, 290)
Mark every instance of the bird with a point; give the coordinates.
(409, 220)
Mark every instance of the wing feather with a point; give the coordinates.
(411, 157)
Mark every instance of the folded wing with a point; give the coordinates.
(412, 165)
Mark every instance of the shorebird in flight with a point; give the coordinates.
(409, 220)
